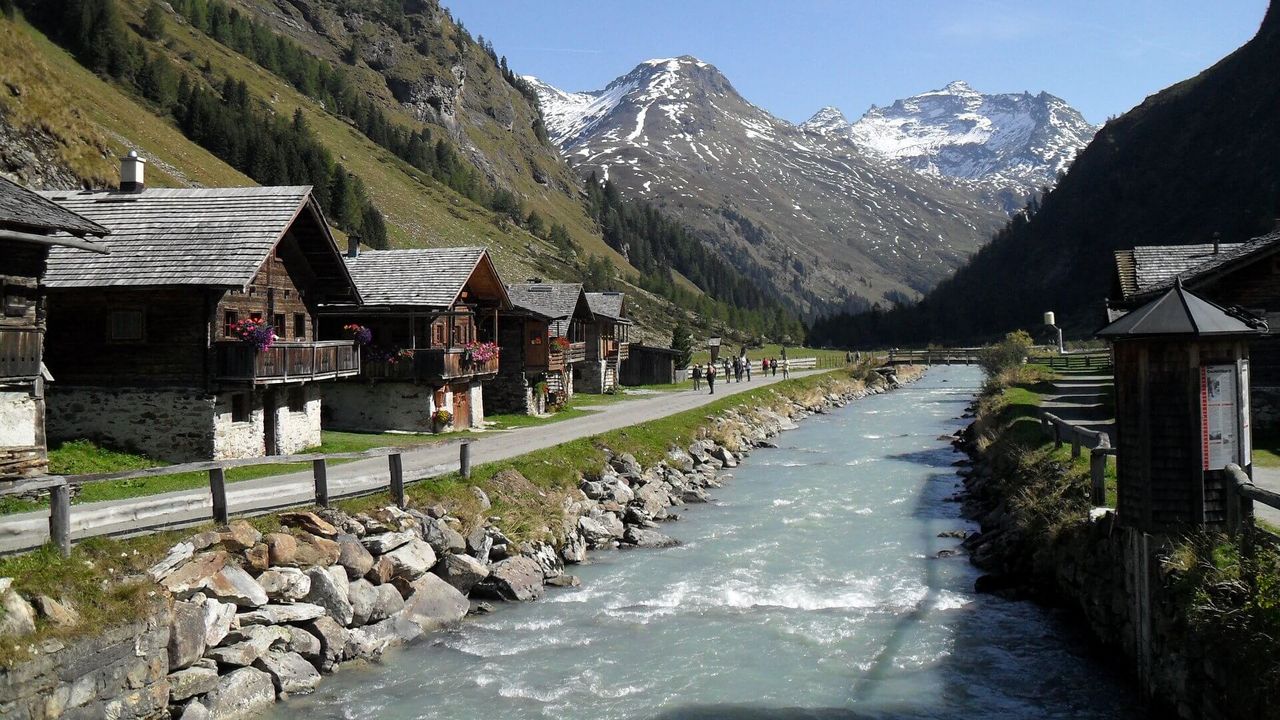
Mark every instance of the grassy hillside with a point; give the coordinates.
(1198, 158)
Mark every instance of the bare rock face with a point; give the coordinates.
(218, 617)
(514, 579)
(241, 693)
(434, 604)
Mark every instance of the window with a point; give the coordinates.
(277, 324)
(297, 399)
(240, 409)
(299, 326)
(17, 299)
(256, 316)
(437, 333)
(229, 319)
(125, 326)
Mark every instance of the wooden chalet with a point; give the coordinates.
(432, 318)
(543, 338)
(29, 227)
(607, 339)
(148, 342)
(1244, 276)
(1148, 268)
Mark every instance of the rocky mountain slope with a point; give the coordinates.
(811, 216)
(1197, 158)
(1012, 143)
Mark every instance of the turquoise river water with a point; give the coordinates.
(809, 589)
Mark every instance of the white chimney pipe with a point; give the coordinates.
(1049, 318)
(132, 173)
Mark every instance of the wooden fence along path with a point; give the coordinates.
(1090, 361)
(59, 486)
(1099, 444)
(938, 356)
(1241, 494)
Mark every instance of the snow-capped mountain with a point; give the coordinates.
(814, 216)
(1015, 141)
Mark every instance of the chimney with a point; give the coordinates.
(1217, 241)
(132, 173)
(353, 245)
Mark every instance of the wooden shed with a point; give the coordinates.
(650, 365)
(1181, 382)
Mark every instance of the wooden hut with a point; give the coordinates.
(608, 343)
(432, 317)
(1181, 379)
(543, 336)
(149, 342)
(29, 227)
(650, 365)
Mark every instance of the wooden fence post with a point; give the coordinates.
(218, 487)
(1233, 505)
(464, 460)
(1057, 435)
(1075, 443)
(60, 518)
(320, 471)
(1098, 476)
(395, 465)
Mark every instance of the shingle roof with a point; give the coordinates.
(608, 304)
(550, 300)
(1177, 313)
(23, 209)
(162, 236)
(425, 277)
(1147, 268)
(1229, 256)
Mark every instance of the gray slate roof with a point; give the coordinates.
(1177, 313)
(163, 236)
(1150, 267)
(22, 209)
(426, 277)
(550, 300)
(607, 304)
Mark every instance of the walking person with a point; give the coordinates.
(727, 376)
(773, 365)
(786, 368)
(711, 377)
(697, 377)
(746, 363)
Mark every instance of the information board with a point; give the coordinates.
(1220, 414)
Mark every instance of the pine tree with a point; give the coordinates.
(682, 343)
(154, 21)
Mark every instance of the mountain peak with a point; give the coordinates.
(959, 86)
(827, 121)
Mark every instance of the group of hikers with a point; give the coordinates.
(735, 369)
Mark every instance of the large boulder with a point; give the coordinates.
(626, 464)
(680, 460)
(315, 551)
(190, 682)
(289, 671)
(177, 555)
(282, 549)
(329, 590)
(231, 584)
(384, 543)
(332, 637)
(248, 644)
(240, 535)
(515, 579)
(240, 694)
(186, 635)
(725, 456)
(56, 613)
(281, 614)
(433, 604)
(575, 548)
(381, 572)
(285, 584)
(443, 539)
(353, 556)
(461, 571)
(411, 560)
(362, 595)
(546, 557)
(218, 618)
(190, 577)
(310, 522)
(653, 500)
(641, 537)
(305, 644)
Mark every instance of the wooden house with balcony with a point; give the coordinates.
(432, 322)
(543, 337)
(29, 227)
(608, 338)
(149, 342)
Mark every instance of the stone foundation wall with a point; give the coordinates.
(120, 673)
(173, 424)
(590, 376)
(19, 415)
(476, 390)
(514, 393)
(378, 407)
(300, 430)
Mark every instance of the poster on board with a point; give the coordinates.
(1219, 416)
(1246, 432)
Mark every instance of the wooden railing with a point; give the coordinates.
(19, 352)
(287, 362)
(1091, 361)
(59, 486)
(941, 356)
(577, 352)
(1241, 494)
(1099, 444)
(430, 364)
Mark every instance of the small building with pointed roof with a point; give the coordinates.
(30, 226)
(608, 338)
(195, 337)
(430, 319)
(543, 337)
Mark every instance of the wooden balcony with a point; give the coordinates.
(19, 352)
(431, 365)
(577, 352)
(623, 351)
(286, 362)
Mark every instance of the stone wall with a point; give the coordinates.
(120, 673)
(589, 376)
(477, 404)
(18, 418)
(173, 424)
(300, 430)
(378, 407)
(233, 439)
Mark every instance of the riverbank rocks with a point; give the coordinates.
(309, 522)
(434, 604)
(329, 590)
(17, 617)
(353, 556)
(514, 579)
(289, 671)
(463, 572)
(239, 694)
(648, 538)
(285, 584)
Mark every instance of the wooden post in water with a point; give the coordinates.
(395, 465)
(320, 471)
(60, 518)
(464, 460)
(218, 487)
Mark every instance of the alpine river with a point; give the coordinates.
(811, 588)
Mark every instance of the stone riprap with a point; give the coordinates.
(243, 618)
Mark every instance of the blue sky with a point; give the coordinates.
(792, 57)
